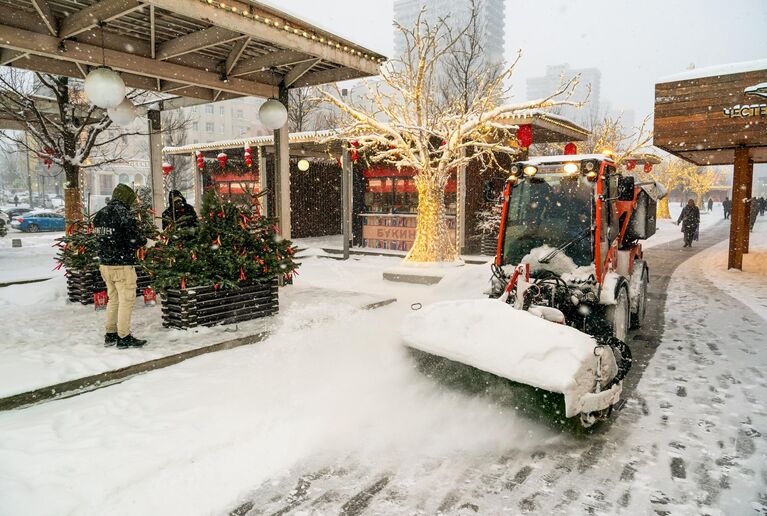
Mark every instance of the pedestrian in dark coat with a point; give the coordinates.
(762, 206)
(179, 213)
(690, 220)
(119, 237)
(754, 211)
(710, 204)
(727, 207)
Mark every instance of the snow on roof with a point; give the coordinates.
(546, 160)
(253, 141)
(542, 113)
(713, 71)
(278, 7)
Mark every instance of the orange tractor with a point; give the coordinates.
(569, 280)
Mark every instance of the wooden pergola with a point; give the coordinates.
(718, 116)
(199, 51)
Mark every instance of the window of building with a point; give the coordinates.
(195, 126)
(220, 110)
(124, 179)
(138, 180)
(105, 184)
(221, 128)
(240, 114)
(209, 127)
(209, 109)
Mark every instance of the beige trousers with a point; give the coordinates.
(121, 289)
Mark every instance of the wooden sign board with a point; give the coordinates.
(704, 119)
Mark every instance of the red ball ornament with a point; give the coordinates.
(525, 135)
(222, 159)
(631, 164)
(248, 156)
(571, 149)
(167, 168)
(200, 160)
(648, 167)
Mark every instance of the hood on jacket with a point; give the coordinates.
(124, 194)
(175, 196)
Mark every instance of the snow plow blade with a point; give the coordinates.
(557, 367)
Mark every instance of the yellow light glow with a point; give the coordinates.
(530, 170)
(303, 165)
(591, 176)
(608, 152)
(571, 168)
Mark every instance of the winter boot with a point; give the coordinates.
(110, 339)
(129, 342)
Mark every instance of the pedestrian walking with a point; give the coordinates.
(727, 207)
(690, 220)
(753, 211)
(762, 206)
(119, 237)
(710, 204)
(15, 200)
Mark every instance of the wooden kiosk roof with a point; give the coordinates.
(547, 128)
(703, 115)
(207, 50)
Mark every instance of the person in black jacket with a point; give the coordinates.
(119, 237)
(726, 206)
(179, 213)
(690, 219)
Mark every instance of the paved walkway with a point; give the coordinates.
(690, 440)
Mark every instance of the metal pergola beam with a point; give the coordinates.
(298, 71)
(196, 41)
(273, 34)
(91, 16)
(48, 46)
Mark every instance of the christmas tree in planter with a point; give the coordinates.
(225, 270)
(78, 252)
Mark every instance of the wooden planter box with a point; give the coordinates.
(81, 285)
(207, 306)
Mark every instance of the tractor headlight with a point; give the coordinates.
(530, 170)
(571, 168)
(515, 170)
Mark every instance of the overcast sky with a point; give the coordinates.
(632, 42)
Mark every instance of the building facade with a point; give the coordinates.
(490, 22)
(587, 91)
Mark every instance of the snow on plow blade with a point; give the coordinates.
(493, 336)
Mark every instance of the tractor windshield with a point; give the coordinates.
(550, 209)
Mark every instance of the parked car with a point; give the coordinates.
(35, 221)
(15, 212)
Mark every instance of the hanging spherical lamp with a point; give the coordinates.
(124, 114)
(303, 165)
(104, 87)
(273, 114)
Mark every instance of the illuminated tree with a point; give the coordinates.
(701, 181)
(672, 173)
(398, 123)
(610, 135)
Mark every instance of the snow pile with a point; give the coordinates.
(559, 263)
(514, 344)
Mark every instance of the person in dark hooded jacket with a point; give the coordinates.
(179, 213)
(690, 219)
(119, 237)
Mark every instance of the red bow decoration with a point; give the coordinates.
(648, 167)
(631, 164)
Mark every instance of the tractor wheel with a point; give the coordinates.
(641, 307)
(32, 228)
(619, 314)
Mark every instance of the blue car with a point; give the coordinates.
(35, 221)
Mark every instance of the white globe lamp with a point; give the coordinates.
(303, 165)
(273, 114)
(124, 114)
(104, 88)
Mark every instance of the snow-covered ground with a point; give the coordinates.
(32, 261)
(332, 404)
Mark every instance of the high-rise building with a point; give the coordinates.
(587, 91)
(490, 21)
